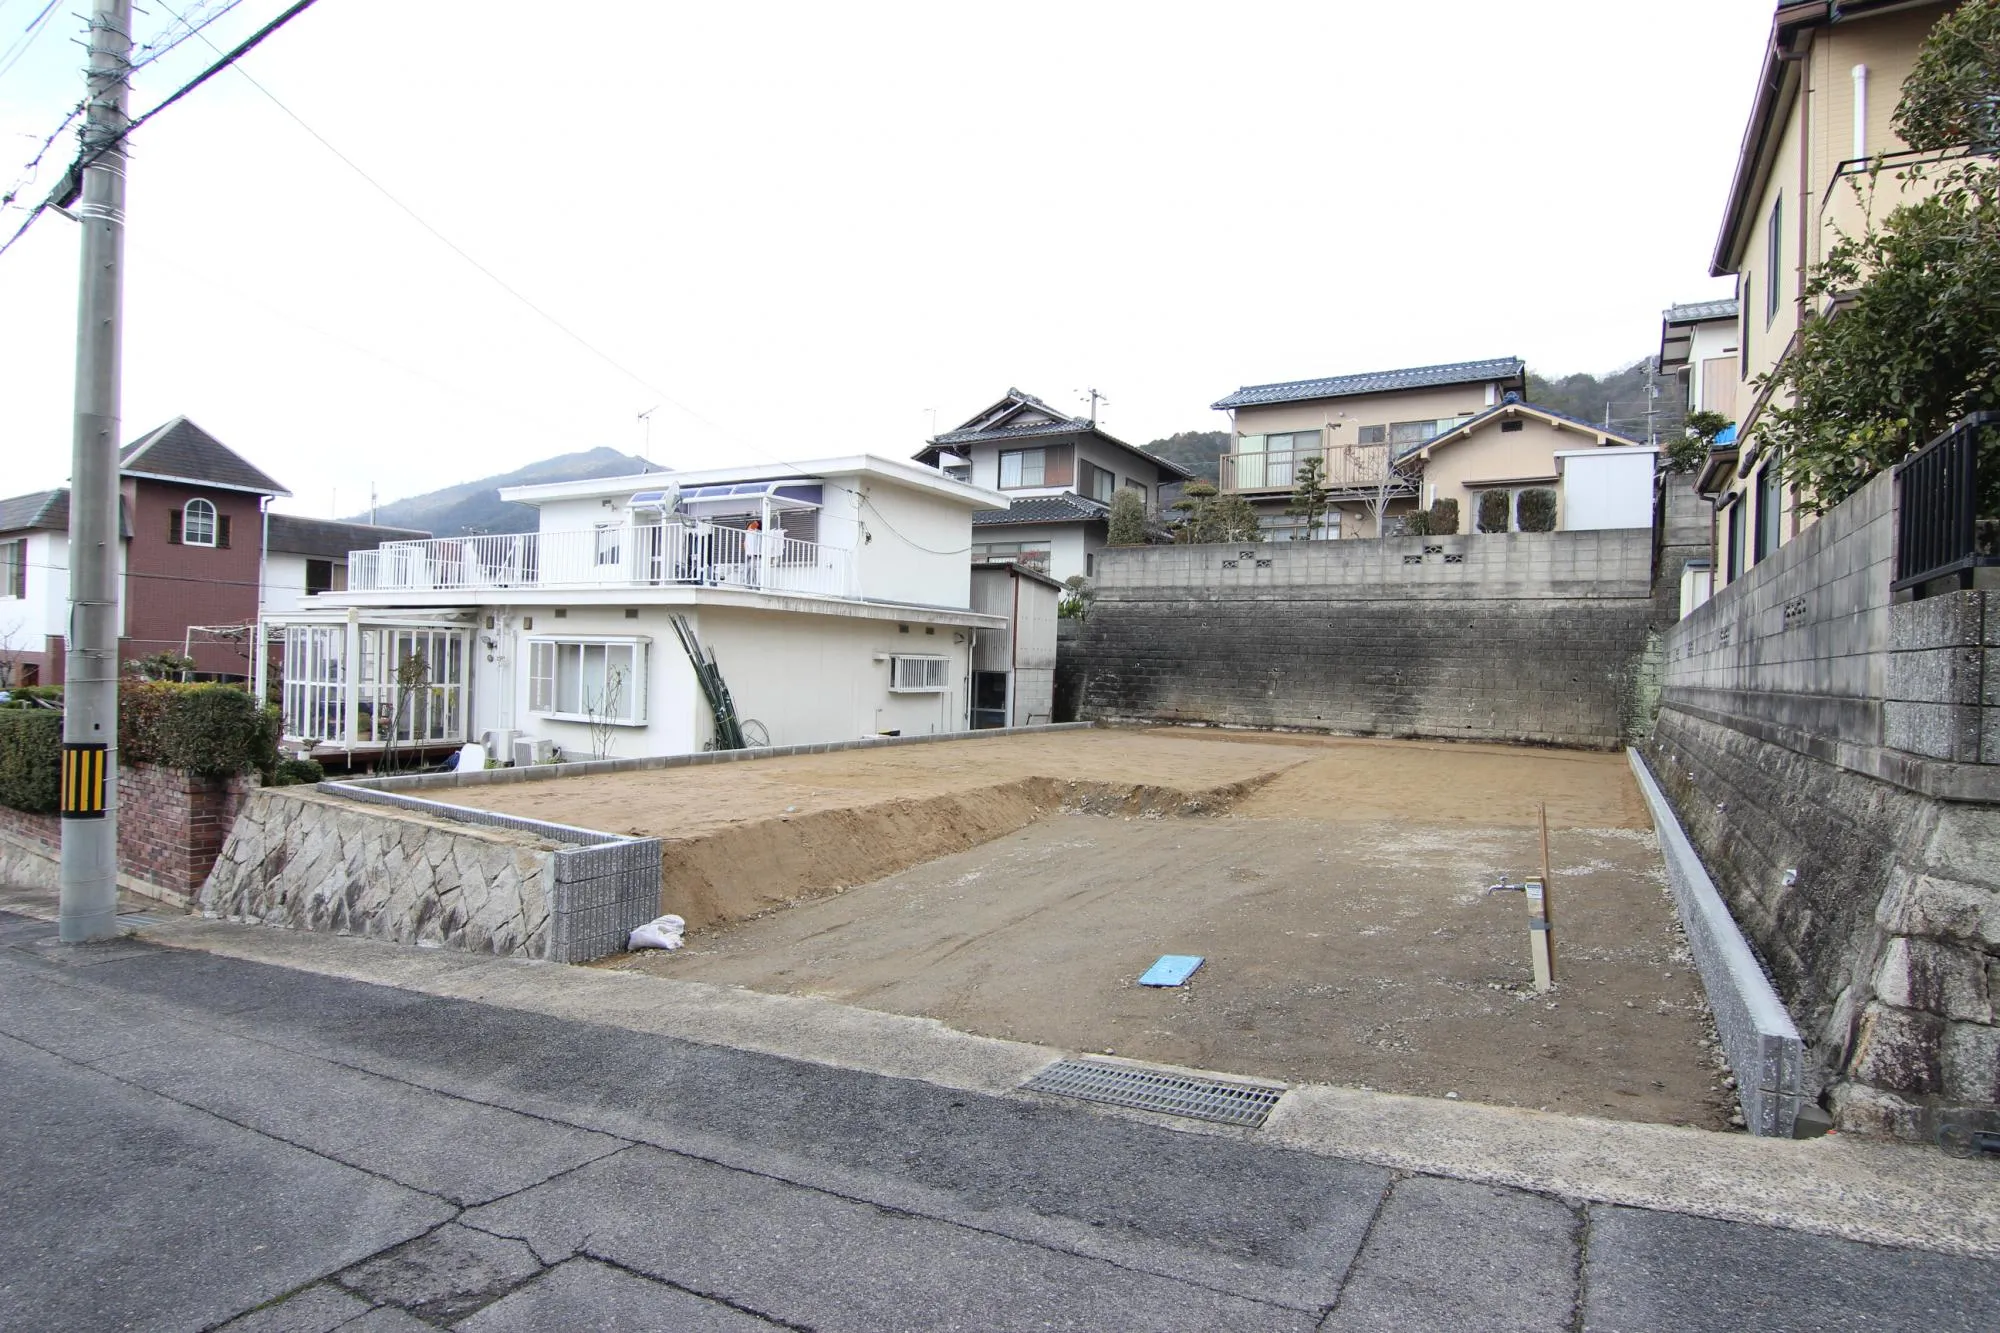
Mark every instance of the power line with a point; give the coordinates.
(72, 179)
(21, 44)
(32, 167)
(159, 50)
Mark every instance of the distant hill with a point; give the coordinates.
(475, 506)
(1199, 451)
(1624, 390)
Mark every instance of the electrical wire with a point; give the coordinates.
(192, 27)
(32, 167)
(35, 27)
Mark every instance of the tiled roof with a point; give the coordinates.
(43, 509)
(183, 451)
(1063, 426)
(326, 539)
(1379, 381)
(1043, 509)
(1018, 402)
(49, 510)
(1696, 311)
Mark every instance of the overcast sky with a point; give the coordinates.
(809, 229)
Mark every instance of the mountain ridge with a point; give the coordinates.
(469, 508)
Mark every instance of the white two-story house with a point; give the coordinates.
(828, 600)
(1058, 475)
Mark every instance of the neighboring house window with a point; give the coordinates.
(607, 544)
(1735, 557)
(197, 524)
(1372, 435)
(1035, 555)
(581, 680)
(1743, 331)
(919, 675)
(1412, 432)
(1774, 249)
(14, 568)
(1022, 468)
(1098, 484)
(1145, 491)
(1770, 505)
(319, 576)
(1090, 564)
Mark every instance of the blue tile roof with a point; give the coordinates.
(1377, 381)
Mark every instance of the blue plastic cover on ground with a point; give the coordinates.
(1171, 970)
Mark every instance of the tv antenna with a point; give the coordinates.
(646, 421)
(1095, 398)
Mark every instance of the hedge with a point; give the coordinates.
(1492, 514)
(210, 731)
(30, 759)
(1536, 510)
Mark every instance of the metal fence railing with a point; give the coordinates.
(1948, 506)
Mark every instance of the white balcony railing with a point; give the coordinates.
(1346, 467)
(655, 555)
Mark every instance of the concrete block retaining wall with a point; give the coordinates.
(1831, 754)
(1538, 637)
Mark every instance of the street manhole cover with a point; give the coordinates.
(1158, 1090)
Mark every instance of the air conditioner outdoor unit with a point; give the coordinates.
(499, 742)
(533, 750)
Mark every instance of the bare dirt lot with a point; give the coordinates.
(1017, 887)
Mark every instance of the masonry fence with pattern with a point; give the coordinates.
(1534, 637)
(1834, 756)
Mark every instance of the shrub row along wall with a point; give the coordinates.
(171, 827)
(1831, 754)
(1538, 637)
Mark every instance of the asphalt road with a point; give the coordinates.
(189, 1141)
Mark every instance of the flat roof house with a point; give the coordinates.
(1057, 473)
(832, 598)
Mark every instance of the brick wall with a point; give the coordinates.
(171, 827)
(1537, 637)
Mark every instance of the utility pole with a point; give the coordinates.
(89, 894)
(1095, 399)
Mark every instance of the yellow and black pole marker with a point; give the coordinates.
(84, 766)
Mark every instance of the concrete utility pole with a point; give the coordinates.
(89, 902)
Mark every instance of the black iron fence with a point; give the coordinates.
(1948, 506)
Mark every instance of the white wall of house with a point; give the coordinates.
(1071, 546)
(1606, 488)
(501, 684)
(913, 546)
(1026, 650)
(1712, 381)
(814, 678)
(43, 613)
(285, 580)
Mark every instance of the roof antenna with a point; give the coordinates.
(1095, 399)
(646, 420)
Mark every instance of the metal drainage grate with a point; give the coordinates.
(1156, 1090)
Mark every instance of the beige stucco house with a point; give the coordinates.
(1395, 441)
(1820, 123)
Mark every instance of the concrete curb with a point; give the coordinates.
(1836, 1186)
(1764, 1048)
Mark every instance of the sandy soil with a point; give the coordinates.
(1341, 952)
(1018, 886)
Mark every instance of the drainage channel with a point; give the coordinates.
(1245, 1104)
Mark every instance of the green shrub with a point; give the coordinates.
(1537, 510)
(1442, 518)
(208, 730)
(30, 759)
(33, 696)
(298, 772)
(1128, 518)
(1493, 506)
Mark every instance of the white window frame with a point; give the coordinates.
(187, 522)
(13, 567)
(900, 668)
(606, 550)
(544, 676)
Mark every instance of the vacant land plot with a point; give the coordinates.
(1017, 888)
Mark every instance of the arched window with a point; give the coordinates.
(198, 523)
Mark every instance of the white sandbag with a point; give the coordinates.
(662, 933)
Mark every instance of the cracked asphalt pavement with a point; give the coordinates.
(190, 1141)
